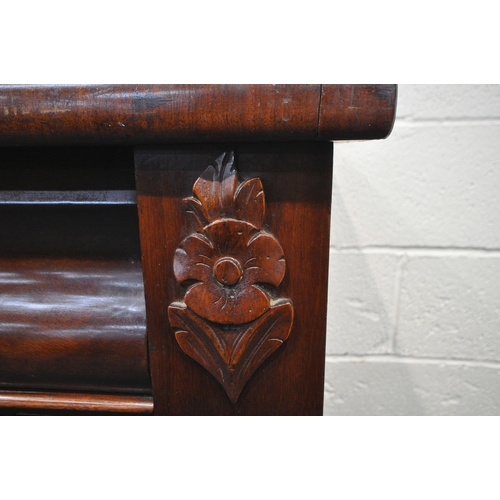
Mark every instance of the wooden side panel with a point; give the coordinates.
(296, 179)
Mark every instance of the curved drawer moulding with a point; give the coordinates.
(228, 321)
(73, 325)
(162, 114)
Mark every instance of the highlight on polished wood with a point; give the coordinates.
(76, 402)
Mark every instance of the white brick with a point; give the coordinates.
(411, 388)
(360, 303)
(435, 182)
(433, 186)
(450, 308)
(427, 102)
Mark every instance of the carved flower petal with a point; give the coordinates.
(230, 238)
(193, 259)
(194, 213)
(227, 305)
(266, 263)
(250, 203)
(215, 188)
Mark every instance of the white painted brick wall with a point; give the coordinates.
(414, 292)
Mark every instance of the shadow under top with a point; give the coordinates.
(43, 115)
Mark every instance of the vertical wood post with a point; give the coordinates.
(296, 180)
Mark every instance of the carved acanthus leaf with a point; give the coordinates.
(231, 357)
(215, 188)
(250, 203)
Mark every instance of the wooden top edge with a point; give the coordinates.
(160, 114)
(77, 402)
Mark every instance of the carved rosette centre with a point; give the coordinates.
(228, 271)
(228, 322)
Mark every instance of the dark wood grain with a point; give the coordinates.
(296, 178)
(75, 402)
(158, 114)
(227, 321)
(75, 299)
(365, 112)
(71, 324)
(72, 310)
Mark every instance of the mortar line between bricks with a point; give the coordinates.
(391, 358)
(427, 251)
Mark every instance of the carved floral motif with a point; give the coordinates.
(228, 321)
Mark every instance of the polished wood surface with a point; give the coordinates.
(98, 308)
(72, 309)
(297, 181)
(19, 401)
(364, 112)
(73, 324)
(159, 114)
(231, 319)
